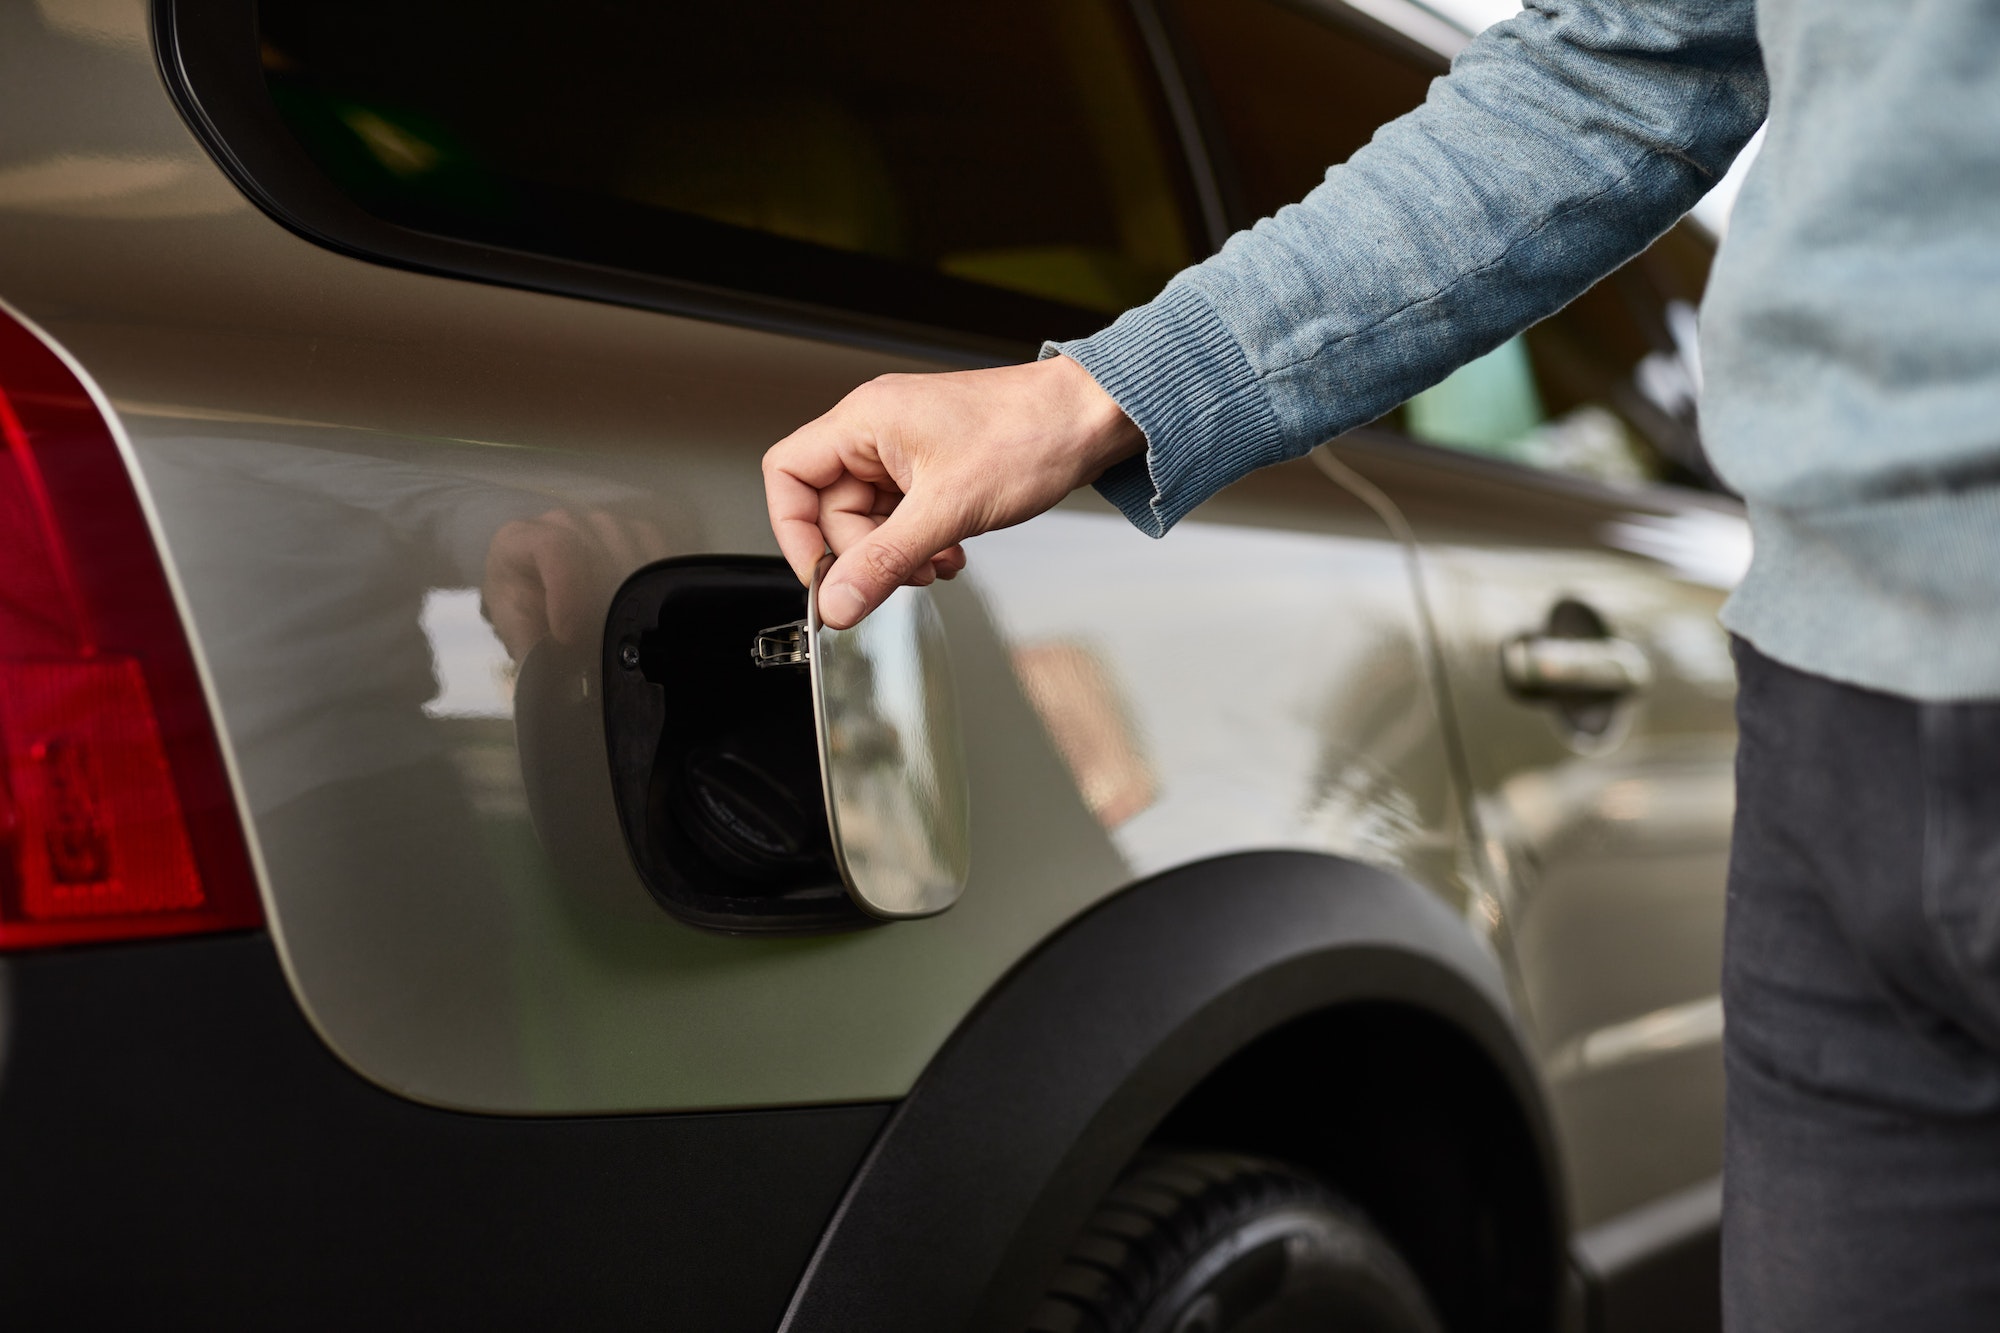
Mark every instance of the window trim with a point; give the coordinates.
(1191, 127)
(207, 55)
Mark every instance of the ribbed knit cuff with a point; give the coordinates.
(1183, 379)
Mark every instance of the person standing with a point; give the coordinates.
(1851, 350)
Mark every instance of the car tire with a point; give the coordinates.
(1207, 1242)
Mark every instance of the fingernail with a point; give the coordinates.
(840, 602)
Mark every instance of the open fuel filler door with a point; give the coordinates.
(783, 776)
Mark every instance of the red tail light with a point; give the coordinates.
(116, 820)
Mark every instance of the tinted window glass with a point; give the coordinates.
(998, 167)
(1292, 94)
(1605, 389)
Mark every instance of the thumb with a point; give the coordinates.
(884, 560)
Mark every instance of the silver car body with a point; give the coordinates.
(328, 447)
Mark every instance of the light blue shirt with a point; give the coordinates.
(1850, 335)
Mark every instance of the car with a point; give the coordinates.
(419, 908)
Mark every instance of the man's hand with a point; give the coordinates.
(908, 466)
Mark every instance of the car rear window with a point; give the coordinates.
(999, 168)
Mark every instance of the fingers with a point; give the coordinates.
(849, 510)
(879, 479)
(946, 564)
(898, 551)
(794, 508)
(817, 456)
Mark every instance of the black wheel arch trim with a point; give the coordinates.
(178, 1148)
(1019, 1124)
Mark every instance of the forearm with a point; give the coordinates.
(1561, 144)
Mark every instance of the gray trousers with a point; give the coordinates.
(1861, 984)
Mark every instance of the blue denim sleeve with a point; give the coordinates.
(1561, 144)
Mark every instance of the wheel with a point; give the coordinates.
(1201, 1242)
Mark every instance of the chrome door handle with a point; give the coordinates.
(1545, 666)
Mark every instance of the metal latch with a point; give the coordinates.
(782, 645)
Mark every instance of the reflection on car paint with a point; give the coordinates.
(1702, 546)
(1091, 724)
(475, 676)
(1271, 679)
(1668, 1031)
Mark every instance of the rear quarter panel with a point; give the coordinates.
(329, 447)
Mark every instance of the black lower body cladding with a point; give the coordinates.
(178, 1149)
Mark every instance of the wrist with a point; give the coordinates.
(1103, 434)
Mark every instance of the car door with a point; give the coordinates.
(1574, 554)
(1575, 580)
